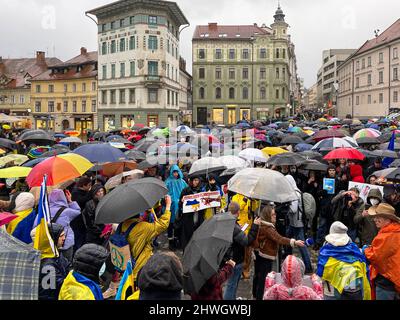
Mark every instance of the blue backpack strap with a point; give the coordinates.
(130, 228)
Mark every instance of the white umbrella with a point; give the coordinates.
(233, 162)
(71, 140)
(334, 143)
(263, 184)
(207, 164)
(254, 155)
(116, 180)
(184, 129)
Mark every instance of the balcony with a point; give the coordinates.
(153, 81)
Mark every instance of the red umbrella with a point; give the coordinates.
(345, 153)
(324, 134)
(6, 217)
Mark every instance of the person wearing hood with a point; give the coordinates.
(298, 177)
(175, 185)
(94, 231)
(62, 211)
(22, 226)
(356, 173)
(292, 286)
(384, 253)
(161, 278)
(57, 267)
(367, 229)
(391, 196)
(342, 267)
(212, 185)
(82, 283)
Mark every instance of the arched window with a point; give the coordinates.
(262, 93)
(231, 93)
(218, 94)
(201, 93)
(245, 93)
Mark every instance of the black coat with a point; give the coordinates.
(93, 230)
(343, 213)
(241, 241)
(49, 267)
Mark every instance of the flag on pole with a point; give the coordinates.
(388, 161)
(43, 241)
(126, 286)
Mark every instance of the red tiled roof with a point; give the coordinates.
(390, 34)
(87, 71)
(214, 31)
(88, 57)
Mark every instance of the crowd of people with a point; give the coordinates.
(330, 244)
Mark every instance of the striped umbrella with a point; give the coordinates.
(367, 133)
(333, 143)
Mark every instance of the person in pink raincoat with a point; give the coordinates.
(292, 286)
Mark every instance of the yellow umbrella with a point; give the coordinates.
(322, 120)
(309, 132)
(15, 172)
(2, 151)
(18, 159)
(6, 127)
(273, 151)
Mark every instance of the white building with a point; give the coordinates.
(138, 63)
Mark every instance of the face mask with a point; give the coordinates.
(102, 270)
(374, 202)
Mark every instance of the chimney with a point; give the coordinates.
(2, 66)
(83, 51)
(40, 57)
(213, 26)
(255, 25)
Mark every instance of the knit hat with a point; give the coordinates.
(89, 259)
(384, 210)
(24, 201)
(338, 236)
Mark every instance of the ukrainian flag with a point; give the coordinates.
(341, 266)
(21, 227)
(78, 287)
(43, 241)
(126, 286)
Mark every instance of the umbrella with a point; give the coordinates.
(6, 218)
(100, 153)
(206, 165)
(39, 136)
(303, 147)
(286, 159)
(311, 155)
(139, 126)
(324, 134)
(71, 140)
(54, 152)
(72, 133)
(15, 172)
(263, 184)
(292, 140)
(18, 159)
(333, 143)
(135, 155)
(206, 250)
(181, 149)
(113, 137)
(273, 151)
(389, 174)
(114, 168)
(37, 152)
(99, 135)
(345, 153)
(148, 144)
(233, 162)
(143, 130)
(183, 129)
(367, 140)
(20, 267)
(129, 200)
(395, 164)
(385, 146)
(384, 154)
(7, 144)
(227, 174)
(58, 169)
(29, 132)
(314, 165)
(116, 180)
(295, 130)
(254, 155)
(367, 133)
(34, 162)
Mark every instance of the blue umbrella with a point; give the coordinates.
(303, 147)
(34, 162)
(60, 135)
(243, 125)
(101, 153)
(110, 138)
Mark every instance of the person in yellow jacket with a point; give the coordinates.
(246, 216)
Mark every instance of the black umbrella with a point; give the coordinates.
(385, 146)
(286, 159)
(368, 140)
(39, 137)
(395, 163)
(314, 165)
(53, 153)
(29, 132)
(99, 136)
(206, 251)
(7, 144)
(144, 130)
(135, 155)
(312, 155)
(384, 154)
(385, 137)
(146, 144)
(129, 200)
(291, 139)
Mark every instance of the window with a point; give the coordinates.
(113, 99)
(231, 93)
(104, 48)
(65, 106)
(218, 73)
(103, 27)
(38, 88)
(283, 93)
(381, 57)
(231, 73)
(263, 93)
(122, 45)
(152, 121)
(284, 53)
(153, 43)
(132, 68)
(84, 106)
(380, 77)
(122, 98)
(202, 54)
(277, 73)
(168, 97)
(284, 73)
(94, 104)
(395, 53)
(201, 73)
(369, 61)
(369, 79)
(104, 72)
(177, 99)
(38, 106)
(127, 121)
(132, 95)
(113, 71)
(94, 86)
(122, 69)
(395, 96)
(263, 73)
(218, 54)
(218, 94)
(104, 97)
(112, 25)
(83, 87)
(132, 43)
(245, 73)
(172, 98)
(358, 65)
(277, 93)
(395, 74)
(131, 20)
(231, 116)
(369, 99)
(113, 46)
(122, 23)
(218, 116)
(357, 100)
(152, 68)
(109, 122)
(65, 88)
(381, 98)
(153, 95)
(50, 106)
(74, 87)
(245, 54)
(277, 53)
(21, 99)
(357, 82)
(263, 53)
(51, 88)
(231, 54)
(201, 93)
(363, 64)
(245, 93)
(152, 20)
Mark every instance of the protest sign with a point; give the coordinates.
(364, 189)
(201, 201)
(329, 185)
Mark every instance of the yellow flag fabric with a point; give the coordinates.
(73, 290)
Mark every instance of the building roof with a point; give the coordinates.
(127, 5)
(221, 32)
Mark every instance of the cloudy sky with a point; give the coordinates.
(60, 26)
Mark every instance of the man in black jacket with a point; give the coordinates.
(240, 242)
(93, 230)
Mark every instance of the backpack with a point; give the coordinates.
(119, 247)
(309, 207)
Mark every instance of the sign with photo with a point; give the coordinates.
(329, 186)
(364, 189)
(201, 201)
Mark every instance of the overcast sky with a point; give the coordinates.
(60, 26)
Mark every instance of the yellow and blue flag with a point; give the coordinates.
(21, 227)
(126, 286)
(388, 161)
(78, 287)
(341, 266)
(43, 241)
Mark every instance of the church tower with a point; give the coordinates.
(280, 27)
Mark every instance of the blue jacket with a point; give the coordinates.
(175, 188)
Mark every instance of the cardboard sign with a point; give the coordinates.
(120, 256)
(201, 201)
(364, 189)
(329, 185)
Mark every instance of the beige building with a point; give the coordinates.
(185, 94)
(369, 84)
(311, 98)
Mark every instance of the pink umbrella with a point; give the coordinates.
(6, 217)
